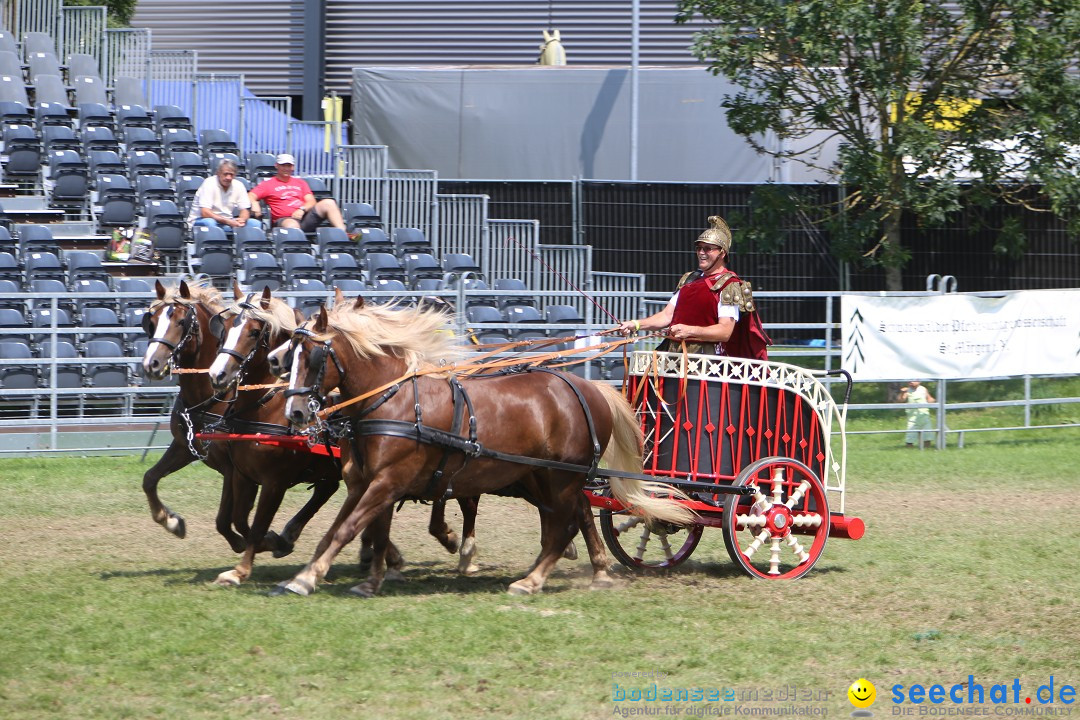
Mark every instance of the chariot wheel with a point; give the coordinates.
(642, 546)
(778, 532)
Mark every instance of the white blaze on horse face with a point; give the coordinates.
(231, 338)
(160, 329)
(292, 382)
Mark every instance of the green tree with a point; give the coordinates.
(120, 11)
(929, 101)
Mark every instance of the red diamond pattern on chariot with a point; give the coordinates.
(688, 426)
(768, 434)
(730, 429)
(786, 438)
(710, 428)
(803, 443)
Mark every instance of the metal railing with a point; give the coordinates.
(125, 52)
(55, 415)
(81, 30)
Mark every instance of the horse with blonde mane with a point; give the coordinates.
(181, 324)
(420, 430)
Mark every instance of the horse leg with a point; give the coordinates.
(597, 552)
(269, 502)
(244, 492)
(227, 507)
(468, 506)
(559, 524)
(363, 505)
(395, 561)
(380, 536)
(284, 543)
(438, 528)
(176, 456)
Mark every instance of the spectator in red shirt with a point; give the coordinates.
(291, 201)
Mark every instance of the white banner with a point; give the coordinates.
(1035, 332)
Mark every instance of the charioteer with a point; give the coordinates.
(712, 310)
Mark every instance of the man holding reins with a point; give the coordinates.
(712, 310)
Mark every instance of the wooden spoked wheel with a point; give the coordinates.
(641, 545)
(778, 532)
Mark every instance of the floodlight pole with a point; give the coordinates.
(635, 37)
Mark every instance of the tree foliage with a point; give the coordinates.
(120, 11)
(928, 101)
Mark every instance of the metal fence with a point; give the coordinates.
(81, 30)
(171, 78)
(125, 52)
(49, 418)
(409, 200)
(264, 123)
(214, 102)
(23, 16)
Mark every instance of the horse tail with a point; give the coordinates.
(653, 500)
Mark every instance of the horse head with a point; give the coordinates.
(314, 368)
(246, 331)
(172, 324)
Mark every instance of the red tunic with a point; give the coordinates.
(697, 305)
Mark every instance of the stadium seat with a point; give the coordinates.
(154, 187)
(45, 288)
(565, 314)
(188, 163)
(84, 265)
(218, 141)
(68, 374)
(373, 239)
(385, 284)
(44, 63)
(90, 90)
(261, 270)
(289, 240)
(308, 305)
(318, 187)
(17, 376)
(93, 285)
(105, 375)
(252, 239)
(484, 314)
(339, 266)
(460, 264)
(144, 162)
(170, 116)
(94, 114)
(301, 266)
(46, 318)
(142, 138)
(83, 65)
(210, 238)
(130, 115)
(332, 239)
(59, 137)
(218, 266)
(421, 265)
(101, 323)
(36, 238)
(384, 266)
(167, 228)
(513, 284)
(106, 162)
(358, 215)
(410, 240)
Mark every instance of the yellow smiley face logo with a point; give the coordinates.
(862, 693)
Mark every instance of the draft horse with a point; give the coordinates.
(245, 331)
(417, 432)
(181, 324)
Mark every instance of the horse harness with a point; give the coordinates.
(452, 441)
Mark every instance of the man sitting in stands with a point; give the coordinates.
(291, 201)
(221, 202)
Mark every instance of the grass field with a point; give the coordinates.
(969, 567)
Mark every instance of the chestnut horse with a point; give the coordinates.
(418, 431)
(179, 324)
(245, 331)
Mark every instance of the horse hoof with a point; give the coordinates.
(394, 574)
(602, 583)
(176, 525)
(469, 570)
(364, 590)
(295, 586)
(519, 588)
(279, 546)
(451, 543)
(570, 553)
(229, 578)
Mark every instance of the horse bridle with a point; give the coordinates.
(217, 329)
(189, 324)
(316, 358)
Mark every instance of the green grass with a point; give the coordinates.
(969, 566)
